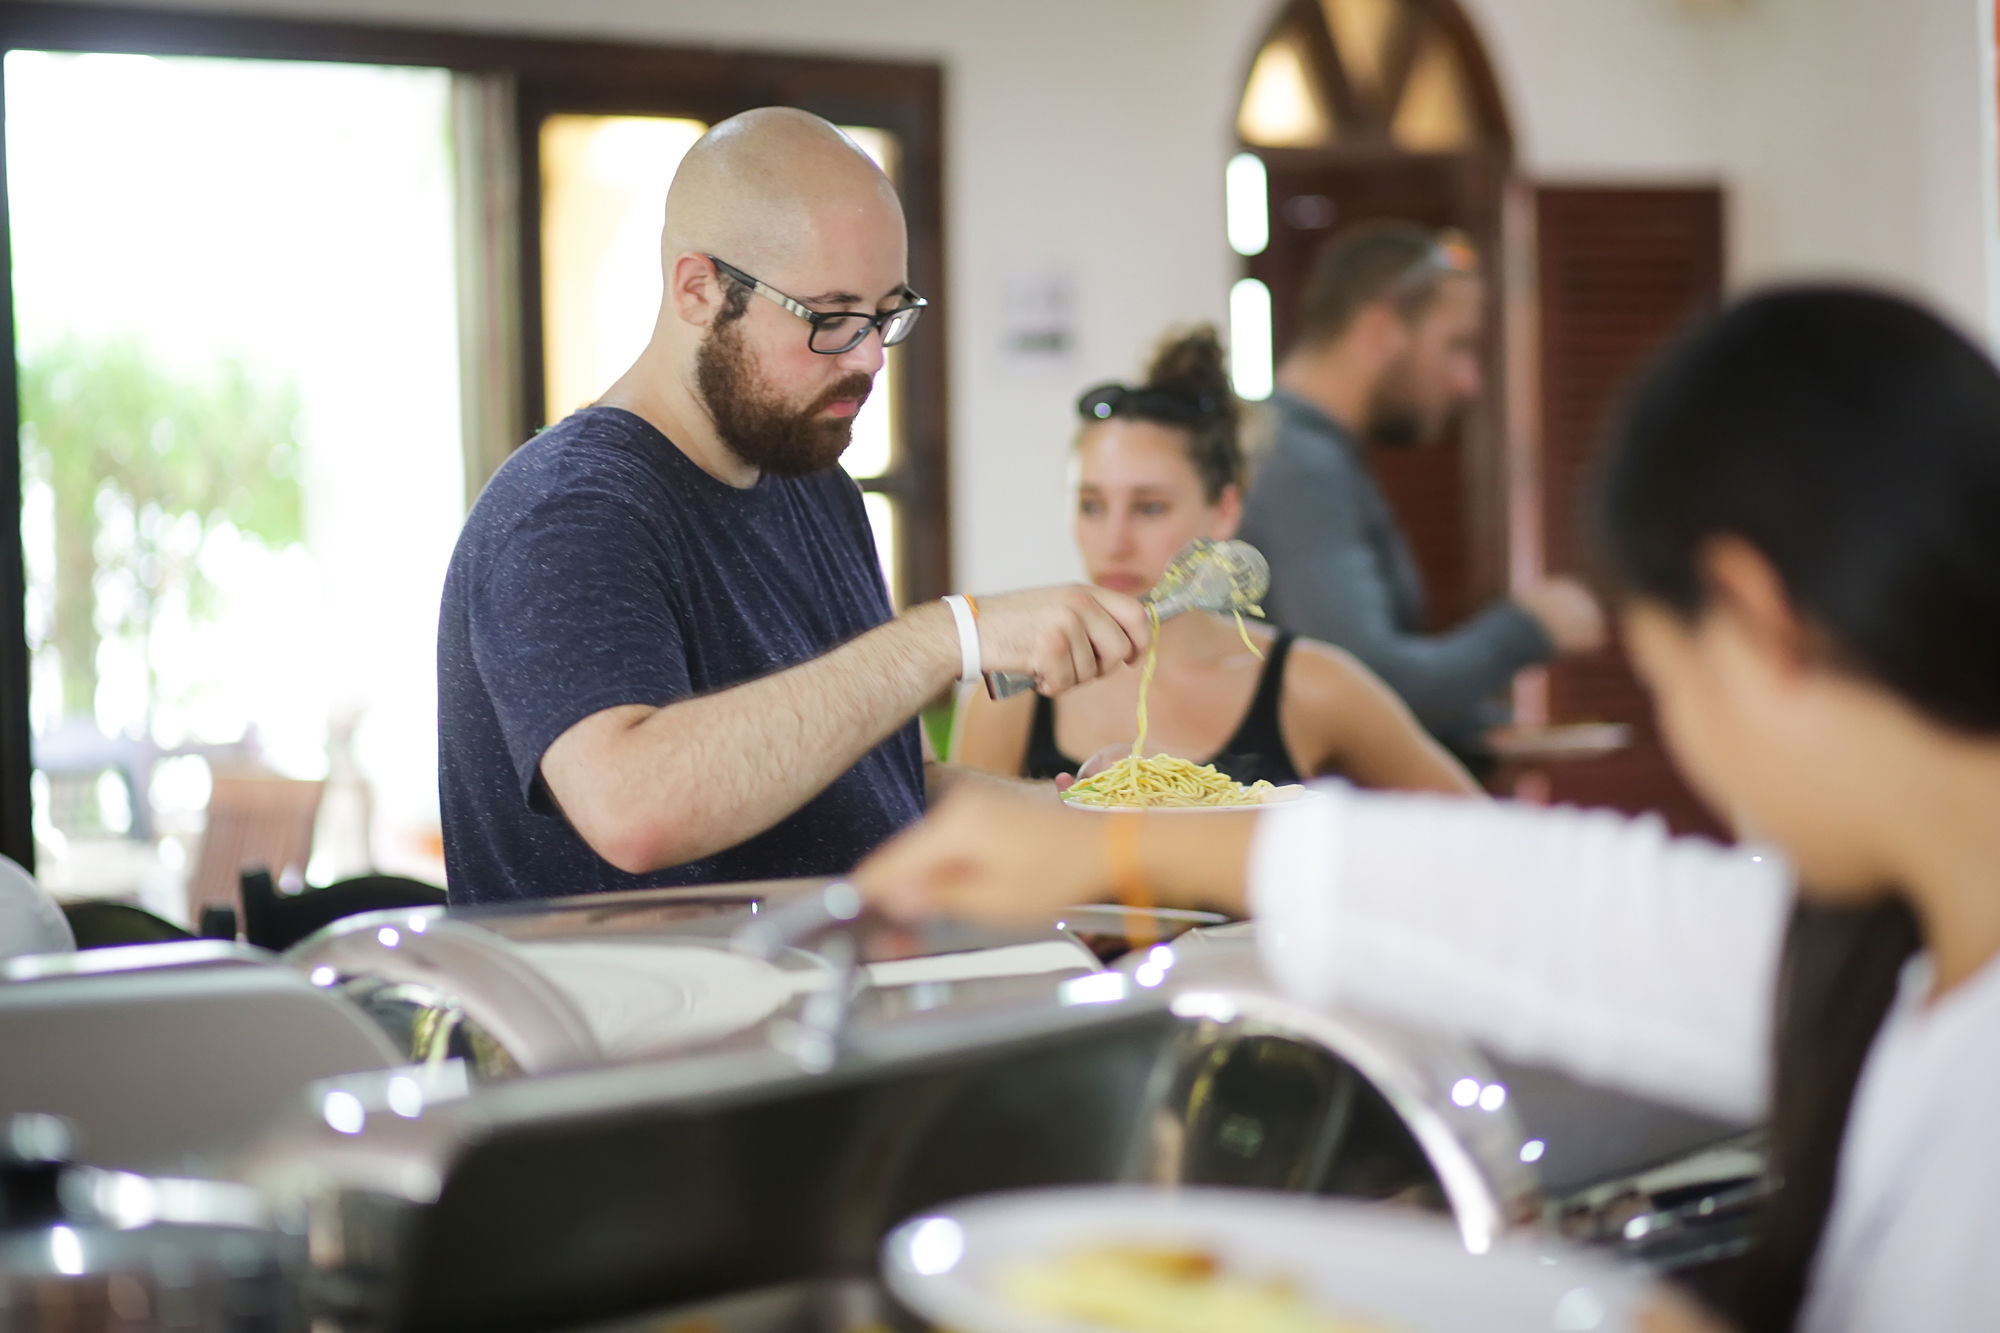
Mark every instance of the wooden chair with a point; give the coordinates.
(253, 820)
(277, 921)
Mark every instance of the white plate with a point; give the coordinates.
(1373, 1264)
(640, 995)
(1278, 796)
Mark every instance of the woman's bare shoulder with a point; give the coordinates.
(1322, 669)
(991, 734)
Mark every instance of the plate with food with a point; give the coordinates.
(1163, 782)
(1140, 1259)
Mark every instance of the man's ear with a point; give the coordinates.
(1744, 587)
(1228, 512)
(694, 289)
(1383, 331)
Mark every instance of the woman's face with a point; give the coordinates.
(1765, 738)
(1139, 501)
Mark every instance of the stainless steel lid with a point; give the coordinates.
(82, 1248)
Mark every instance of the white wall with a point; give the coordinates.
(1857, 143)
(1602, 88)
(1087, 137)
(1854, 136)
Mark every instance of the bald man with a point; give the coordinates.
(665, 654)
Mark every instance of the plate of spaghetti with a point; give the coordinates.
(1163, 782)
(1140, 1259)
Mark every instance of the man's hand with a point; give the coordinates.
(1565, 608)
(1061, 636)
(992, 856)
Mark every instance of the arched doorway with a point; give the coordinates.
(1368, 109)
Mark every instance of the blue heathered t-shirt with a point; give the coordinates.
(602, 567)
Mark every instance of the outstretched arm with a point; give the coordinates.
(650, 787)
(1583, 939)
(1340, 719)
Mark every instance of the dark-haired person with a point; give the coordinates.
(1802, 508)
(665, 653)
(1387, 356)
(1158, 465)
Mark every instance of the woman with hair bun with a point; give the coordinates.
(1157, 465)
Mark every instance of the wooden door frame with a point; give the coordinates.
(1305, 19)
(906, 98)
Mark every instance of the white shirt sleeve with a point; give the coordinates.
(1585, 940)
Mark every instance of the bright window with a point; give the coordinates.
(242, 476)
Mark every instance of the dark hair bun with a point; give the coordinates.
(1192, 365)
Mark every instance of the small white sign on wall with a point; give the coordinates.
(1038, 320)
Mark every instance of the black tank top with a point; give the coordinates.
(1256, 752)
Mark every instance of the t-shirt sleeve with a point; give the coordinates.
(576, 613)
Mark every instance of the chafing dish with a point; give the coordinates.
(116, 1252)
(166, 1054)
(1671, 1188)
(738, 1186)
(544, 987)
(724, 1180)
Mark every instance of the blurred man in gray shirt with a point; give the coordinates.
(1387, 356)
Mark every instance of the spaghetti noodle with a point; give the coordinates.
(1164, 781)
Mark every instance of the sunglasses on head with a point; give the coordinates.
(1450, 252)
(1171, 405)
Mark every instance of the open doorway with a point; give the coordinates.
(241, 476)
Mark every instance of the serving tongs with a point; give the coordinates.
(1207, 575)
(826, 916)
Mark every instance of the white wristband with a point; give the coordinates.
(968, 636)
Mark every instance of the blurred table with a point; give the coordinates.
(1522, 755)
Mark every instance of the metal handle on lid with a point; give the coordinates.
(824, 916)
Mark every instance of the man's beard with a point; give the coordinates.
(758, 428)
(1395, 420)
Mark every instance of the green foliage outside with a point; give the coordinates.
(939, 719)
(145, 466)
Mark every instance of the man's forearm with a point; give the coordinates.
(707, 773)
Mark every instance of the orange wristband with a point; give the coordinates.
(970, 604)
(1128, 876)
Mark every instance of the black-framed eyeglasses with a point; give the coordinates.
(835, 331)
(1171, 405)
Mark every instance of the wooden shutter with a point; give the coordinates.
(1618, 272)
